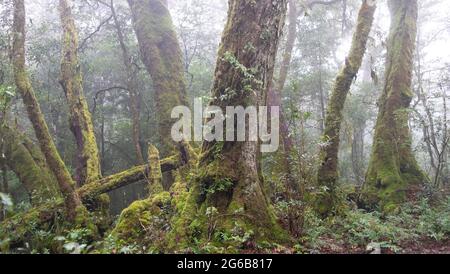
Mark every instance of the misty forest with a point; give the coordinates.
(88, 164)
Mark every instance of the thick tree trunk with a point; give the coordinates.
(23, 84)
(88, 164)
(28, 163)
(393, 168)
(132, 87)
(328, 171)
(163, 59)
(228, 178)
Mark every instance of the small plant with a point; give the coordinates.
(76, 241)
(221, 185)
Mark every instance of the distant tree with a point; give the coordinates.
(132, 85)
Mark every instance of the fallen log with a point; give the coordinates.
(125, 178)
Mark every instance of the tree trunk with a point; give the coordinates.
(328, 170)
(228, 178)
(132, 87)
(393, 169)
(155, 172)
(4, 187)
(23, 84)
(358, 152)
(28, 163)
(88, 164)
(290, 43)
(162, 56)
(274, 97)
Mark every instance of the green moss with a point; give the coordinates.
(163, 59)
(327, 176)
(88, 168)
(20, 228)
(28, 163)
(24, 87)
(155, 174)
(393, 169)
(137, 223)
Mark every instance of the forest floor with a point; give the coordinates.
(422, 246)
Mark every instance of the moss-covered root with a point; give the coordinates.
(220, 206)
(393, 169)
(144, 223)
(328, 171)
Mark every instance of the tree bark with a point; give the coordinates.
(162, 56)
(48, 148)
(88, 164)
(393, 168)
(155, 172)
(228, 177)
(328, 170)
(358, 152)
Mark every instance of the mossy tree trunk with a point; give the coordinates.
(393, 168)
(162, 56)
(132, 87)
(28, 163)
(48, 148)
(328, 170)
(228, 178)
(155, 174)
(88, 164)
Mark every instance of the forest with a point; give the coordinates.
(224, 127)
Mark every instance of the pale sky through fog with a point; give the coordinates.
(437, 51)
(438, 21)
